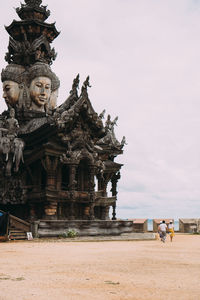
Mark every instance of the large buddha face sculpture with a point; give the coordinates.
(12, 78)
(40, 92)
(11, 92)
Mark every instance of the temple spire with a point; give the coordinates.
(33, 3)
(30, 38)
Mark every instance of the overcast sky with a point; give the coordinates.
(143, 57)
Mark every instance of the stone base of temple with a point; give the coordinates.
(57, 228)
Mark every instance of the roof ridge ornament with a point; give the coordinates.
(33, 3)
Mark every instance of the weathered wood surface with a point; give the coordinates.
(17, 223)
(55, 228)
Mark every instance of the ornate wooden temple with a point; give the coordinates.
(56, 162)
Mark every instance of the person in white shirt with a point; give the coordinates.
(162, 228)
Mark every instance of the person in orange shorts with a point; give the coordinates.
(171, 230)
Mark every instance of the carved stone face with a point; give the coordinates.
(40, 92)
(12, 113)
(11, 92)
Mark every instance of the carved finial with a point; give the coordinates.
(114, 122)
(108, 123)
(102, 115)
(75, 85)
(33, 3)
(86, 84)
(123, 142)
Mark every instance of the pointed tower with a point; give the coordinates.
(31, 37)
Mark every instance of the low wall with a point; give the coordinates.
(55, 228)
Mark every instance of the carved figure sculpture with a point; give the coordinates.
(108, 122)
(85, 86)
(100, 168)
(5, 146)
(75, 86)
(123, 142)
(13, 77)
(114, 122)
(18, 153)
(110, 136)
(12, 124)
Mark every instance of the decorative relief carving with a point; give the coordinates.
(33, 3)
(11, 146)
(12, 191)
(27, 53)
(110, 138)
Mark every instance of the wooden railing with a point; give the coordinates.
(19, 224)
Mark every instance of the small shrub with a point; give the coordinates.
(71, 233)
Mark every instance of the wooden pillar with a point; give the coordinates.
(72, 188)
(107, 178)
(32, 212)
(114, 181)
(114, 213)
(50, 165)
(114, 186)
(92, 217)
(92, 205)
(72, 211)
(51, 180)
(105, 213)
(91, 178)
(86, 214)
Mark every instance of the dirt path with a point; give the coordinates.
(101, 270)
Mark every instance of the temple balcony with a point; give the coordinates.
(62, 196)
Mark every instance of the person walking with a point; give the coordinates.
(171, 230)
(159, 230)
(163, 230)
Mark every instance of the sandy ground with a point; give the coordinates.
(101, 270)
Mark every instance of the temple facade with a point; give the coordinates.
(56, 161)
